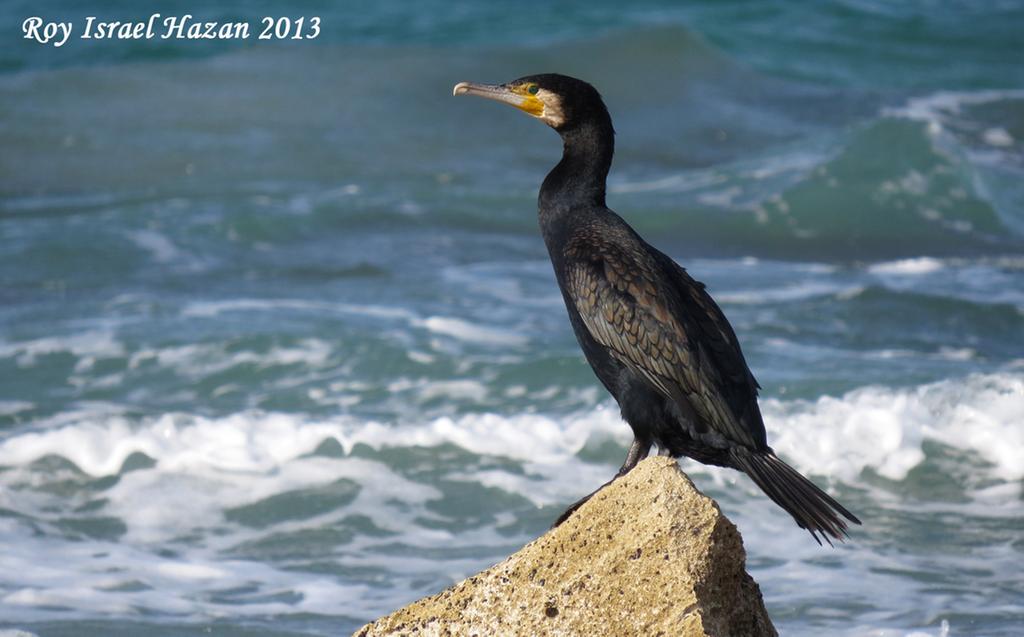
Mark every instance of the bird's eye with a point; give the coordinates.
(533, 89)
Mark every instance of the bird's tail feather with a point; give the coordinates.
(812, 508)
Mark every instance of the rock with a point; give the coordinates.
(648, 555)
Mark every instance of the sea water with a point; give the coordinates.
(281, 349)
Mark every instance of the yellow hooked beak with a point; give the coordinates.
(518, 96)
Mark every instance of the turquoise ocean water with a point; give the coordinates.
(281, 350)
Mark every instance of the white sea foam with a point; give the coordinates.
(86, 577)
(207, 309)
(935, 107)
(672, 183)
(796, 292)
(984, 281)
(997, 136)
(157, 244)
(520, 283)
(205, 467)
(11, 407)
(884, 428)
(471, 333)
(741, 184)
(210, 358)
(950, 116)
(463, 389)
(456, 328)
(875, 427)
(87, 346)
(910, 267)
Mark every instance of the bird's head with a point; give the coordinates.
(559, 101)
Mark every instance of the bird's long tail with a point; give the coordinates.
(812, 508)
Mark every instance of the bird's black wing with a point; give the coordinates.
(715, 329)
(658, 321)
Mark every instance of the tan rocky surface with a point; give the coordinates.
(648, 555)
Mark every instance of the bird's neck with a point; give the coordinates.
(577, 183)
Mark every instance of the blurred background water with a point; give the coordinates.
(281, 349)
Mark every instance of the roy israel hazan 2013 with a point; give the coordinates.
(184, 27)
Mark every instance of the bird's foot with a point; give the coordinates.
(568, 512)
(637, 452)
(572, 509)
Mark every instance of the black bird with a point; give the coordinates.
(652, 334)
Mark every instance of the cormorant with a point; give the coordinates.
(652, 334)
